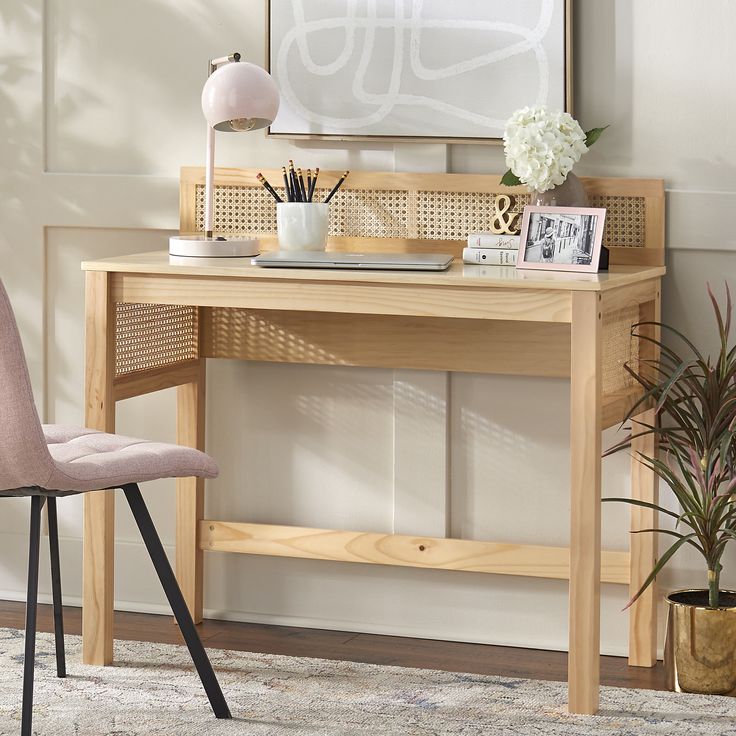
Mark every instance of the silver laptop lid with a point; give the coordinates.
(383, 261)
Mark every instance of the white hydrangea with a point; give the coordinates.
(542, 146)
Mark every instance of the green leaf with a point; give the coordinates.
(593, 135)
(722, 329)
(509, 179)
(660, 564)
(670, 533)
(665, 388)
(726, 535)
(644, 504)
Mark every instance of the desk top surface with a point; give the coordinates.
(458, 275)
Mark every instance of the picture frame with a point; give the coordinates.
(562, 239)
(438, 103)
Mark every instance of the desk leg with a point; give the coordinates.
(645, 487)
(585, 494)
(99, 507)
(190, 429)
(643, 614)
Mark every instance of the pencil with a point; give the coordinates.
(287, 188)
(336, 187)
(313, 184)
(291, 180)
(295, 187)
(300, 181)
(309, 184)
(294, 183)
(270, 189)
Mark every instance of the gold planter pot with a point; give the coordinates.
(700, 648)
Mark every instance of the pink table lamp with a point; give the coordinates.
(237, 97)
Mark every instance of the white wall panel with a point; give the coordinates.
(304, 445)
(510, 466)
(21, 135)
(124, 83)
(426, 603)
(99, 107)
(685, 300)
(122, 79)
(656, 71)
(421, 453)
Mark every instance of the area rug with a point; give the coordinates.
(152, 690)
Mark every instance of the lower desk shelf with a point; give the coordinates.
(402, 550)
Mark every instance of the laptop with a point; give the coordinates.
(381, 261)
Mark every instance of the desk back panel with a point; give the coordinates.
(420, 212)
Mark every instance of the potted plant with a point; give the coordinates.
(694, 398)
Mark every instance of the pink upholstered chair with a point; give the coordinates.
(46, 462)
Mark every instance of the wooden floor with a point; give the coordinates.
(345, 645)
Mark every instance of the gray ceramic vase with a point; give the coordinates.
(571, 193)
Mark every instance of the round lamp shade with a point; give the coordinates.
(240, 96)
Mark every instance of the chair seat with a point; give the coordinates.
(88, 460)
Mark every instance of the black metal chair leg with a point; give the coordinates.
(29, 658)
(56, 587)
(176, 600)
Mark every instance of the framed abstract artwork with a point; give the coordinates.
(416, 69)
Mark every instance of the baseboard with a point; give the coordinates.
(305, 622)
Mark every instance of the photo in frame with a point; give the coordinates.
(429, 70)
(563, 239)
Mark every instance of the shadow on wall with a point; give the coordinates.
(143, 52)
(340, 428)
(76, 126)
(146, 61)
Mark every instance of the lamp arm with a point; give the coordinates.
(209, 167)
(214, 63)
(209, 189)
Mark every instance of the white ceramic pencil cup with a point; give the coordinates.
(302, 225)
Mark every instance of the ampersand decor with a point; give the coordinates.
(501, 224)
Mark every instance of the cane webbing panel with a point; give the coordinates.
(239, 210)
(619, 347)
(387, 213)
(625, 220)
(152, 335)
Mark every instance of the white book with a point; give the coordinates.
(490, 256)
(493, 240)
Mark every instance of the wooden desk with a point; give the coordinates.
(151, 324)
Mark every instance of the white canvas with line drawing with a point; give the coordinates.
(414, 68)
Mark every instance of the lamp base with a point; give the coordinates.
(198, 246)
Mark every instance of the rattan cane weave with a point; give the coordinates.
(152, 335)
(424, 215)
(619, 347)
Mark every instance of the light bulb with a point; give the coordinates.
(240, 125)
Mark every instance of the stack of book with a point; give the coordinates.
(490, 249)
